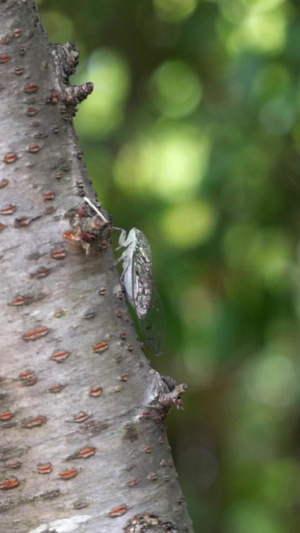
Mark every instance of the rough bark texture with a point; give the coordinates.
(83, 444)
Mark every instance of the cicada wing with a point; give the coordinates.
(143, 248)
(142, 283)
(152, 323)
(145, 297)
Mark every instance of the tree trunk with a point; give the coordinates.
(83, 444)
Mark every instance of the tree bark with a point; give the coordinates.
(83, 444)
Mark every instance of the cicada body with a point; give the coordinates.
(140, 288)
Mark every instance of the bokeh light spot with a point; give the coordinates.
(273, 381)
(234, 12)
(176, 89)
(174, 10)
(261, 32)
(170, 162)
(188, 224)
(262, 5)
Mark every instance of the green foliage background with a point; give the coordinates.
(192, 134)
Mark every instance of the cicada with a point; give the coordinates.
(140, 288)
(139, 285)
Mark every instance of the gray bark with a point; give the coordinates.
(82, 436)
